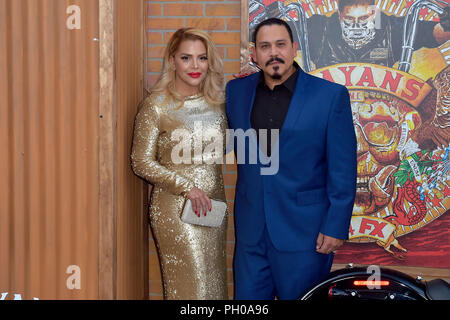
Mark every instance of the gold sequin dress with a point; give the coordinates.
(193, 258)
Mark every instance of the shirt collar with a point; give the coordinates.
(289, 83)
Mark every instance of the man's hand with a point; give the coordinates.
(326, 244)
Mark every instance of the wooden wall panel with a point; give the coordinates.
(49, 142)
(68, 196)
(132, 221)
(107, 150)
(123, 254)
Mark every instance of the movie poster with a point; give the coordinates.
(394, 57)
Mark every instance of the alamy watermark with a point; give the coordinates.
(374, 280)
(208, 147)
(73, 282)
(73, 21)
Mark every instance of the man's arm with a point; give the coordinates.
(341, 177)
(229, 142)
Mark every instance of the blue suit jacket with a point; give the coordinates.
(314, 187)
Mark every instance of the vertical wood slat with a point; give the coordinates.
(132, 227)
(49, 129)
(107, 151)
(5, 175)
(123, 256)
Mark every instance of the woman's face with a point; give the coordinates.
(191, 65)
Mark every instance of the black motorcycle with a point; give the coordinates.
(354, 283)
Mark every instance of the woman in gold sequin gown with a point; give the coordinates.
(186, 102)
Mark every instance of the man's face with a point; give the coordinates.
(274, 51)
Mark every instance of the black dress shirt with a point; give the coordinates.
(271, 106)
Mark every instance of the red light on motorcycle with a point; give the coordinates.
(330, 291)
(371, 283)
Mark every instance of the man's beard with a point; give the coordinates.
(276, 75)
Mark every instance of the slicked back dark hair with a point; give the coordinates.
(345, 3)
(270, 22)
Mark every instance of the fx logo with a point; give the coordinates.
(367, 224)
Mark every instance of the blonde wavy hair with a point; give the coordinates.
(212, 87)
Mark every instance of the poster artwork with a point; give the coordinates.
(394, 58)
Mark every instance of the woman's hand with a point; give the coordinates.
(200, 201)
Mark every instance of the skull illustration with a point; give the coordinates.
(383, 126)
(358, 25)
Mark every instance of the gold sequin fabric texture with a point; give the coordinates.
(192, 257)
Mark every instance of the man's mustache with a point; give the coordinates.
(274, 59)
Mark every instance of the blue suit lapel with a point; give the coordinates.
(250, 98)
(297, 104)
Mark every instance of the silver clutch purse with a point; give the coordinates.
(213, 218)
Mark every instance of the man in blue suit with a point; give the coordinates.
(293, 206)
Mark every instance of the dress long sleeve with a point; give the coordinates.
(144, 153)
(183, 248)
